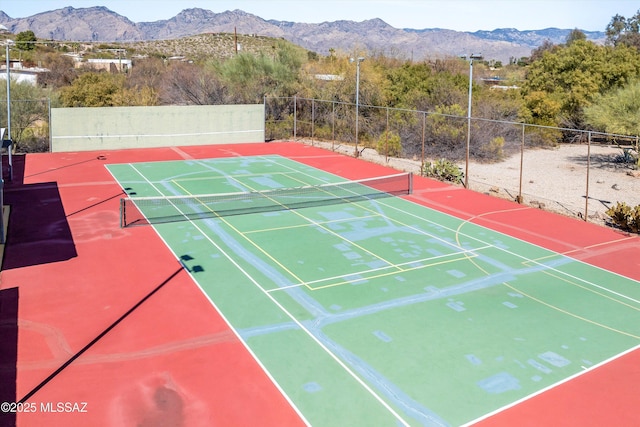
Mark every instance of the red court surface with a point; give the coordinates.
(109, 323)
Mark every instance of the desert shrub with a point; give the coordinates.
(625, 217)
(446, 132)
(494, 150)
(627, 157)
(389, 144)
(280, 129)
(324, 131)
(443, 170)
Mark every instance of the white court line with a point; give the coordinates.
(159, 135)
(457, 232)
(525, 259)
(501, 249)
(229, 325)
(387, 267)
(539, 392)
(483, 227)
(284, 310)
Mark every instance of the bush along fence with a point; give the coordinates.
(448, 146)
(29, 124)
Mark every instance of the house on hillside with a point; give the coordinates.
(20, 74)
(111, 65)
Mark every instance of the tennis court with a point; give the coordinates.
(372, 309)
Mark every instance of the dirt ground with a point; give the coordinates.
(558, 179)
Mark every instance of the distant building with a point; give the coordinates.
(111, 65)
(22, 75)
(494, 83)
(501, 87)
(328, 77)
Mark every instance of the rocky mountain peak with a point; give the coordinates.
(98, 23)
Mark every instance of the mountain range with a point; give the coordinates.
(374, 36)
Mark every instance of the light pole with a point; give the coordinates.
(357, 60)
(7, 44)
(466, 164)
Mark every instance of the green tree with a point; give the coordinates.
(101, 89)
(29, 113)
(425, 86)
(575, 35)
(252, 76)
(625, 31)
(573, 76)
(616, 111)
(406, 85)
(25, 40)
(446, 132)
(92, 90)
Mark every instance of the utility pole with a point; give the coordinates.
(466, 167)
(357, 60)
(7, 44)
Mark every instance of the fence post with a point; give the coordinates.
(519, 197)
(313, 118)
(50, 126)
(586, 198)
(295, 117)
(386, 142)
(424, 132)
(333, 125)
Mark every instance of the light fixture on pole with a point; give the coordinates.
(466, 163)
(357, 60)
(7, 44)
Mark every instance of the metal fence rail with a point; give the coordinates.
(411, 138)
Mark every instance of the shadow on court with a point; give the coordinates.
(101, 335)
(8, 352)
(38, 231)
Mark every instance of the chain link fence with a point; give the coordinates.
(29, 124)
(582, 176)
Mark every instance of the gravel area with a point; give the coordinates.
(556, 179)
(552, 179)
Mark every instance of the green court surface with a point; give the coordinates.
(385, 312)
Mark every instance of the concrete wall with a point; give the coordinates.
(110, 128)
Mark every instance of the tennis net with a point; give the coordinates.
(163, 209)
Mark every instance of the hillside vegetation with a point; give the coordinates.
(568, 85)
(204, 46)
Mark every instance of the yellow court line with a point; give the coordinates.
(457, 232)
(400, 267)
(389, 273)
(335, 221)
(465, 256)
(557, 308)
(175, 180)
(302, 327)
(530, 261)
(592, 290)
(275, 261)
(568, 313)
(295, 212)
(566, 253)
(468, 221)
(424, 233)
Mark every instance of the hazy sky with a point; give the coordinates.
(461, 15)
